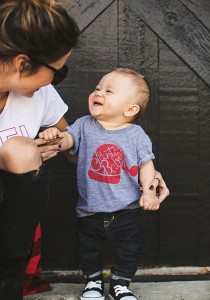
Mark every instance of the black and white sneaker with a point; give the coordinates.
(94, 289)
(118, 290)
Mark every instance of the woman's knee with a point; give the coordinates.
(20, 155)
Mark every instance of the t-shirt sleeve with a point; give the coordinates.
(144, 148)
(55, 107)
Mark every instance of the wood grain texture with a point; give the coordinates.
(168, 42)
(178, 158)
(178, 121)
(180, 29)
(200, 8)
(95, 55)
(203, 247)
(85, 12)
(135, 52)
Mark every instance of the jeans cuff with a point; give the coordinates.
(116, 277)
(94, 274)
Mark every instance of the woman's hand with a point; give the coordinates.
(159, 184)
(51, 149)
(48, 149)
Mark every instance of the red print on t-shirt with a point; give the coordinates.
(106, 164)
(7, 133)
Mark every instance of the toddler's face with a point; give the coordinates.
(112, 96)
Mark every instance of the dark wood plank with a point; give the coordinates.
(200, 8)
(95, 55)
(178, 231)
(138, 50)
(59, 250)
(178, 121)
(85, 12)
(204, 176)
(178, 158)
(180, 29)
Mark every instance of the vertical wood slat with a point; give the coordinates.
(95, 55)
(59, 245)
(180, 29)
(178, 159)
(203, 233)
(138, 50)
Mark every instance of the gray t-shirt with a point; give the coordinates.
(108, 165)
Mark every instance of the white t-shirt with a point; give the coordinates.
(24, 116)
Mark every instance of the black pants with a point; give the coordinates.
(123, 228)
(22, 203)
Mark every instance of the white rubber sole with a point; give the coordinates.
(91, 298)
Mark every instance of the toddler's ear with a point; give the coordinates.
(132, 110)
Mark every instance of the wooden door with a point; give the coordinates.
(169, 42)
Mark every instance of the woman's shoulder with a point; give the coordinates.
(48, 91)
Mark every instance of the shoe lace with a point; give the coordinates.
(94, 284)
(119, 289)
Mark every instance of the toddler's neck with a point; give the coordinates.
(113, 126)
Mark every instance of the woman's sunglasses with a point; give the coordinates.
(59, 74)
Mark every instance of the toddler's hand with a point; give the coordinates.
(149, 201)
(51, 134)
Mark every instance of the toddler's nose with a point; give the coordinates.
(99, 93)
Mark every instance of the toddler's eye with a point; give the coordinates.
(97, 89)
(109, 91)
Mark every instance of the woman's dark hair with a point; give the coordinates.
(41, 29)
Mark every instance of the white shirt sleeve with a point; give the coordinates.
(54, 108)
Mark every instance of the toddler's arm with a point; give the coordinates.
(66, 140)
(148, 200)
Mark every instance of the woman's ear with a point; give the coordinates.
(21, 62)
(132, 110)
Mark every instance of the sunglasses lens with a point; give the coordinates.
(60, 75)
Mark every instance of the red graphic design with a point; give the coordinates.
(106, 164)
(13, 131)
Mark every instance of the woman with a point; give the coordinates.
(36, 39)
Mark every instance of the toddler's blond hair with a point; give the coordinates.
(140, 84)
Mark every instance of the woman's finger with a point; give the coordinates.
(164, 194)
(154, 183)
(41, 142)
(48, 155)
(49, 148)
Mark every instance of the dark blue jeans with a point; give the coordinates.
(23, 200)
(124, 229)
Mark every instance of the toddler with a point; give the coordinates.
(114, 158)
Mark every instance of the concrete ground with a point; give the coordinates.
(193, 290)
(153, 290)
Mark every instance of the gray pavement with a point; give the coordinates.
(175, 290)
(170, 290)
